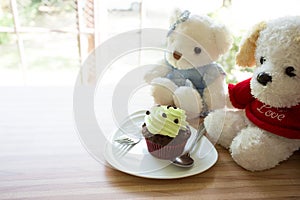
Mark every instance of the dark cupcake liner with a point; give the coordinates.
(167, 152)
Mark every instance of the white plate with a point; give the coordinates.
(138, 162)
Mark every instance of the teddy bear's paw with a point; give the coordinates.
(162, 91)
(223, 125)
(189, 100)
(255, 149)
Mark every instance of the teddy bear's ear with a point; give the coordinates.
(246, 55)
(223, 38)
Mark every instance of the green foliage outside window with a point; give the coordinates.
(30, 10)
(5, 21)
(228, 61)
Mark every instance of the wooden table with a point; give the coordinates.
(41, 157)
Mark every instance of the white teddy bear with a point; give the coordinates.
(265, 129)
(189, 78)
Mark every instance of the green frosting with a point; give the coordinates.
(165, 120)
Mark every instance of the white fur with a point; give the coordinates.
(255, 149)
(164, 89)
(277, 43)
(183, 97)
(251, 147)
(213, 36)
(156, 71)
(214, 40)
(223, 125)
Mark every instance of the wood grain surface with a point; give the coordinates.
(41, 157)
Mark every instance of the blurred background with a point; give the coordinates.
(45, 42)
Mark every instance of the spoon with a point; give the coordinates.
(185, 159)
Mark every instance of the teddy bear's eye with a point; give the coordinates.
(262, 60)
(290, 71)
(197, 50)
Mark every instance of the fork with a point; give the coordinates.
(126, 142)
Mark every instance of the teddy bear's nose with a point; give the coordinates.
(177, 55)
(264, 78)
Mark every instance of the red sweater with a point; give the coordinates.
(280, 121)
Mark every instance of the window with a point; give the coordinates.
(46, 41)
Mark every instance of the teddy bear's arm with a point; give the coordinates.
(158, 70)
(239, 94)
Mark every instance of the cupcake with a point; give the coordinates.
(166, 131)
